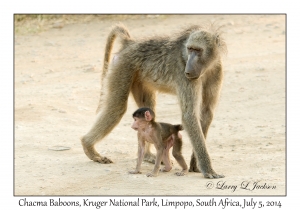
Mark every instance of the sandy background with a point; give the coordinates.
(57, 86)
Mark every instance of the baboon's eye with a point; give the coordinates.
(194, 49)
(198, 50)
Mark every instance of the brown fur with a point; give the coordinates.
(187, 65)
(163, 135)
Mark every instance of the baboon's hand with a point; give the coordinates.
(213, 175)
(135, 172)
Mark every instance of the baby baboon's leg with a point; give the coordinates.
(159, 154)
(178, 155)
(166, 161)
(141, 152)
(211, 86)
(111, 114)
(166, 156)
(144, 97)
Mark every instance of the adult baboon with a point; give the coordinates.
(187, 65)
(164, 136)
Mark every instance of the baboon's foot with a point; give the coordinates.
(92, 153)
(181, 173)
(134, 172)
(88, 150)
(103, 160)
(149, 157)
(165, 169)
(194, 168)
(95, 156)
(213, 175)
(151, 174)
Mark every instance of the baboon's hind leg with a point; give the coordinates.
(145, 98)
(110, 115)
(90, 151)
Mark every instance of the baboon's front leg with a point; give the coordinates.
(193, 164)
(211, 86)
(191, 124)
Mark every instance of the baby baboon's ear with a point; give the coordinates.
(148, 116)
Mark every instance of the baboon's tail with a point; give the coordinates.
(120, 31)
(178, 127)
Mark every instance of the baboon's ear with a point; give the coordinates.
(148, 116)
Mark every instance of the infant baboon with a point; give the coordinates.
(163, 136)
(186, 64)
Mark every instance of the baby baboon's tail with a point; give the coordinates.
(178, 127)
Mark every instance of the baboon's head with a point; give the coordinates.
(141, 118)
(203, 50)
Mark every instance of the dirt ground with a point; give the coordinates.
(57, 86)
